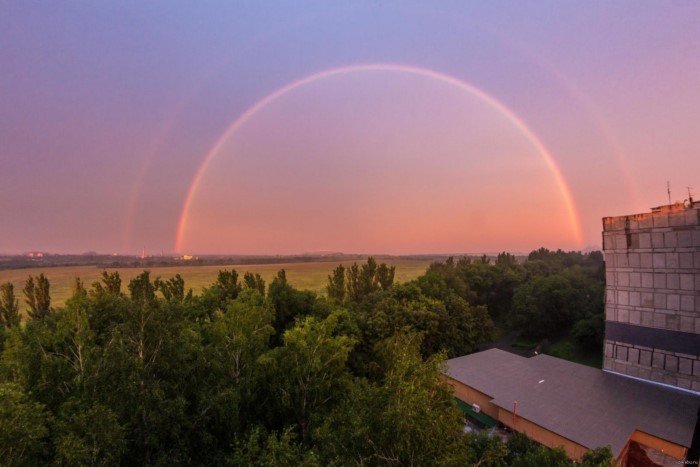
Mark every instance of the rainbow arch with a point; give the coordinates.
(564, 189)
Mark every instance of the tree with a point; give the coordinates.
(236, 340)
(444, 279)
(524, 452)
(88, 435)
(150, 367)
(505, 259)
(37, 297)
(385, 276)
(490, 451)
(254, 282)
(464, 328)
(541, 455)
(173, 289)
(9, 306)
(142, 290)
(289, 304)
(590, 332)
(407, 418)
(111, 284)
(75, 338)
(309, 371)
(240, 335)
(226, 288)
(336, 284)
(272, 450)
(599, 457)
(23, 427)
(543, 307)
(227, 284)
(362, 280)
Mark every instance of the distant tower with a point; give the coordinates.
(652, 309)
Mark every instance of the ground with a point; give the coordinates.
(566, 348)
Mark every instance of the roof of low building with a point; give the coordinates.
(586, 405)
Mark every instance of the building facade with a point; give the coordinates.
(652, 310)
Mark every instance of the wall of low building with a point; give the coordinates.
(541, 435)
(472, 396)
(674, 450)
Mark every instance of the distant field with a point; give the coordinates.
(307, 276)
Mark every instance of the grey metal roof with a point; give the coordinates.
(586, 405)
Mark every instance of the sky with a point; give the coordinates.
(361, 127)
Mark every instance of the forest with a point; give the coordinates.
(250, 373)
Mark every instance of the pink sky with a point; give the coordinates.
(107, 112)
(400, 164)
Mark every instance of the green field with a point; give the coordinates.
(307, 276)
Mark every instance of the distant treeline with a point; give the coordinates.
(249, 373)
(550, 295)
(129, 261)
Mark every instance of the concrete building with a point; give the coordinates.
(652, 264)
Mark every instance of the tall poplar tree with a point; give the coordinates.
(9, 306)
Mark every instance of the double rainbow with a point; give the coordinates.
(572, 213)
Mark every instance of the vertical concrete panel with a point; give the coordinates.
(659, 260)
(635, 279)
(687, 324)
(685, 259)
(657, 240)
(688, 303)
(673, 281)
(659, 301)
(685, 239)
(673, 302)
(623, 297)
(687, 282)
(672, 260)
(633, 260)
(622, 262)
(623, 279)
(659, 280)
(635, 299)
(620, 242)
(661, 220)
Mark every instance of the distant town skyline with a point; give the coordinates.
(364, 127)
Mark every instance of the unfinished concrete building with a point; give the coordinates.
(652, 309)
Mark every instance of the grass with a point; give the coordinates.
(305, 276)
(568, 349)
(525, 343)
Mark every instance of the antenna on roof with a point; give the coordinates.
(668, 190)
(690, 195)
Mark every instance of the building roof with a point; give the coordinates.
(586, 405)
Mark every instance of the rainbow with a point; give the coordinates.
(391, 67)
